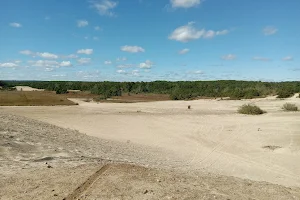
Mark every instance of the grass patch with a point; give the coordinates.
(249, 109)
(289, 107)
(34, 98)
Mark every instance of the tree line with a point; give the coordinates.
(179, 90)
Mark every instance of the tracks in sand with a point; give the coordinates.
(87, 184)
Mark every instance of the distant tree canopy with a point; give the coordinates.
(177, 90)
(3, 84)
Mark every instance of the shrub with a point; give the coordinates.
(284, 93)
(290, 107)
(249, 109)
(61, 91)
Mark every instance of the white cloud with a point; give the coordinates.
(121, 59)
(212, 34)
(85, 51)
(26, 52)
(260, 58)
(49, 65)
(49, 69)
(95, 38)
(135, 72)
(132, 73)
(71, 56)
(198, 72)
(132, 49)
(47, 55)
(44, 63)
(121, 71)
(270, 30)
(146, 65)
(82, 23)
(104, 7)
(84, 61)
(229, 57)
(58, 75)
(15, 25)
(125, 66)
(195, 72)
(184, 51)
(288, 58)
(86, 37)
(8, 65)
(97, 28)
(65, 64)
(107, 62)
(185, 3)
(189, 32)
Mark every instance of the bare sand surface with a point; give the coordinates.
(211, 137)
(42, 161)
(27, 89)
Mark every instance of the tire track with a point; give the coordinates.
(87, 184)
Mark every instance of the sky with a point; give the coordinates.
(148, 40)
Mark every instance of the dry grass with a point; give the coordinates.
(289, 107)
(34, 98)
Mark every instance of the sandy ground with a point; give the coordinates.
(210, 137)
(27, 89)
(42, 161)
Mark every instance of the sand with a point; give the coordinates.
(42, 161)
(27, 89)
(210, 137)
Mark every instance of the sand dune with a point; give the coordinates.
(210, 137)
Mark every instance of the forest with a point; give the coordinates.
(180, 90)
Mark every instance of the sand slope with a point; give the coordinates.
(42, 161)
(211, 137)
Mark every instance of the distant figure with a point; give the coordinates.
(189, 107)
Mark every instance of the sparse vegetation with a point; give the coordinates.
(249, 109)
(14, 98)
(289, 107)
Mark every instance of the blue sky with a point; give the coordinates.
(145, 40)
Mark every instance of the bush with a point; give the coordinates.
(290, 107)
(284, 94)
(249, 109)
(61, 91)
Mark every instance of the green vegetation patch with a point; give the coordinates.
(250, 109)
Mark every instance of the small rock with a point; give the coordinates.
(55, 195)
(145, 192)
(49, 166)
